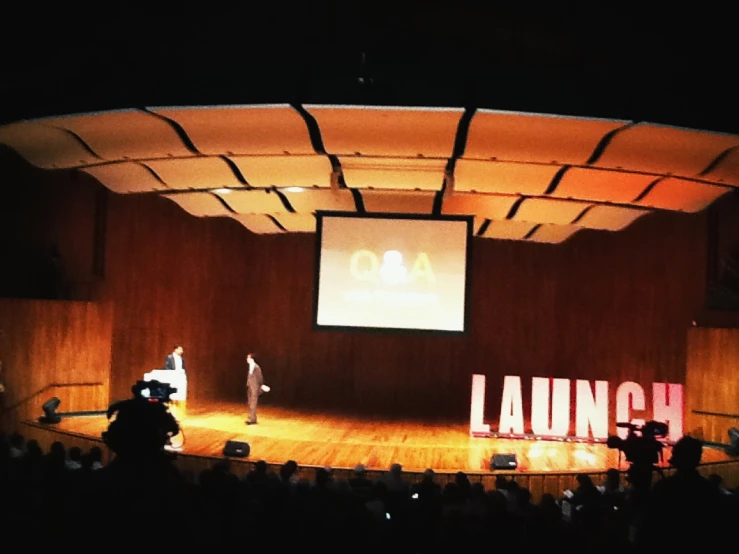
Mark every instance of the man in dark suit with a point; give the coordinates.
(175, 359)
(254, 387)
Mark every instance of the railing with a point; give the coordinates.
(716, 414)
(46, 389)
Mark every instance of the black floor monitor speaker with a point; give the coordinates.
(503, 461)
(237, 449)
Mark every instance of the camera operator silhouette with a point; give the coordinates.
(140, 490)
(684, 508)
(643, 450)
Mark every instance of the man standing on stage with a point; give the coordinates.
(175, 359)
(254, 387)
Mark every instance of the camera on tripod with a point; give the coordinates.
(641, 446)
(154, 391)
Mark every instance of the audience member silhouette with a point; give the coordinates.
(684, 508)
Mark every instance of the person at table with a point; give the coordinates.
(175, 360)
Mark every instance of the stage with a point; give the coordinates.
(318, 440)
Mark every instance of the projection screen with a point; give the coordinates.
(394, 271)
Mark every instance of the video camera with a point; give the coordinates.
(641, 446)
(154, 391)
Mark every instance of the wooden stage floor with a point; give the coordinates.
(314, 439)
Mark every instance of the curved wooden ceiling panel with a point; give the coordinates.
(394, 132)
(503, 177)
(194, 173)
(258, 223)
(124, 135)
(609, 218)
(393, 173)
(550, 210)
(401, 202)
(485, 206)
(311, 201)
(550, 175)
(243, 130)
(126, 177)
(46, 147)
(200, 204)
(553, 234)
(726, 169)
(681, 195)
(285, 171)
(508, 230)
(297, 223)
(254, 201)
(537, 138)
(664, 150)
(600, 185)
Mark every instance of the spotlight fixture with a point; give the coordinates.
(49, 408)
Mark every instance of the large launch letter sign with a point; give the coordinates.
(551, 406)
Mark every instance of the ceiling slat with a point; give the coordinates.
(124, 135)
(484, 206)
(195, 173)
(254, 201)
(398, 202)
(125, 177)
(503, 178)
(285, 171)
(393, 174)
(200, 204)
(547, 139)
(268, 130)
(664, 150)
(46, 147)
(601, 185)
(682, 195)
(393, 132)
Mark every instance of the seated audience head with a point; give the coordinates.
(96, 454)
(686, 454)
(288, 470)
(34, 449)
(613, 478)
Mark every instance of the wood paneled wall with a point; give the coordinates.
(55, 348)
(712, 383)
(611, 306)
(602, 306)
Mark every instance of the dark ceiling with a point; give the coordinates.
(664, 68)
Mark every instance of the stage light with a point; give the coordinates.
(294, 189)
(49, 408)
(222, 191)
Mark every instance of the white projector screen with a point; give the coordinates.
(392, 272)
